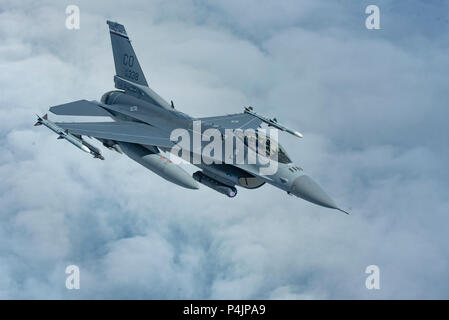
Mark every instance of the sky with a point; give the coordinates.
(372, 105)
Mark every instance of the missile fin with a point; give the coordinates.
(343, 211)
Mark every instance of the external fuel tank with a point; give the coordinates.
(156, 162)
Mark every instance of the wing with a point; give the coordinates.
(235, 121)
(80, 108)
(125, 131)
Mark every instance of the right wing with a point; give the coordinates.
(234, 121)
(125, 131)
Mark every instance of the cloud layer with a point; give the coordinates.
(372, 106)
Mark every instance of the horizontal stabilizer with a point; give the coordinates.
(80, 108)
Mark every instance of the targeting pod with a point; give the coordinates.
(230, 191)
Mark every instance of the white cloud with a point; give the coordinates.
(372, 107)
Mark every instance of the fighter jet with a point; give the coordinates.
(142, 126)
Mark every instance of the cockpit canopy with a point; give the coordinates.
(262, 143)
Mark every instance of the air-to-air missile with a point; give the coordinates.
(272, 122)
(73, 139)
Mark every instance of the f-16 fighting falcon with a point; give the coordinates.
(148, 130)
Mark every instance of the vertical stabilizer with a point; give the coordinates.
(126, 64)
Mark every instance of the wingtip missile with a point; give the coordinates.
(84, 148)
(99, 156)
(273, 122)
(39, 121)
(77, 141)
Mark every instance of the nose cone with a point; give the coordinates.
(307, 189)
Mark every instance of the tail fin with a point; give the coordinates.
(126, 64)
(39, 120)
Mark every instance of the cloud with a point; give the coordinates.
(372, 106)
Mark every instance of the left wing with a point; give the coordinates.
(234, 121)
(126, 131)
(80, 108)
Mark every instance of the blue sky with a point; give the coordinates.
(372, 105)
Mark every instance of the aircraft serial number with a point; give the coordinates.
(132, 75)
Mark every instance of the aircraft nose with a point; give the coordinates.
(307, 189)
